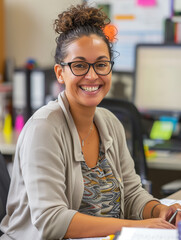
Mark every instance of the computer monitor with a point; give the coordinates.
(157, 79)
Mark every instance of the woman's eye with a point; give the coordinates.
(80, 65)
(101, 65)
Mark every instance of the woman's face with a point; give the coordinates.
(87, 90)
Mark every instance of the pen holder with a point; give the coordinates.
(179, 230)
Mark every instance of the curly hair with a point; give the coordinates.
(78, 21)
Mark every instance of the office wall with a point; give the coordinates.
(29, 29)
(1, 39)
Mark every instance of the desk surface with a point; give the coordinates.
(166, 160)
(176, 196)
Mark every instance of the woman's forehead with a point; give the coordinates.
(87, 47)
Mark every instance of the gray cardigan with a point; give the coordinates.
(47, 184)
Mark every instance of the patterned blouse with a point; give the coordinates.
(101, 195)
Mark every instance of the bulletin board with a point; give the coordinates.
(137, 21)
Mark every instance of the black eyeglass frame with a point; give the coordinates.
(90, 64)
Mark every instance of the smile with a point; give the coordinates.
(89, 89)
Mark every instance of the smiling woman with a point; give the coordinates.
(73, 176)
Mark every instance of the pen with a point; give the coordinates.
(175, 213)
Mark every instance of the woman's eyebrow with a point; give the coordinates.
(101, 57)
(80, 58)
(84, 59)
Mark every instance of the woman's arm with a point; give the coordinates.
(150, 209)
(89, 226)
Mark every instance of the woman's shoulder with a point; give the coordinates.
(49, 116)
(48, 111)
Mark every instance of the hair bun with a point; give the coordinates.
(80, 15)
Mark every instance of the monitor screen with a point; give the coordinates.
(157, 79)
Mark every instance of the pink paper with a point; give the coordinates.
(146, 3)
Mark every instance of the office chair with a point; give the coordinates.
(130, 117)
(4, 187)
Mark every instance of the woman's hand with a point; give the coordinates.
(154, 209)
(166, 213)
(153, 223)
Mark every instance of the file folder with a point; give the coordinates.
(21, 94)
(37, 89)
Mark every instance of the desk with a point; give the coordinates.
(166, 160)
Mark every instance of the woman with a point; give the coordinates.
(73, 176)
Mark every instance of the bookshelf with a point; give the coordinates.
(2, 43)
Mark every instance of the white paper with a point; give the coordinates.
(169, 202)
(96, 238)
(148, 234)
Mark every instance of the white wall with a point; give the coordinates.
(29, 29)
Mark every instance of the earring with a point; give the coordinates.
(60, 80)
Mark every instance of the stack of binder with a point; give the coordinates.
(21, 95)
(30, 88)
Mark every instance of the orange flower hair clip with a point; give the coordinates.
(110, 31)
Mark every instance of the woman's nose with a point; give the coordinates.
(91, 74)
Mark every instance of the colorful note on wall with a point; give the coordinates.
(146, 3)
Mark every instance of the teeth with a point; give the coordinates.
(90, 89)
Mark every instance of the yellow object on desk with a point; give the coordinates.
(149, 153)
(109, 237)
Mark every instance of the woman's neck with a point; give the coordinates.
(83, 118)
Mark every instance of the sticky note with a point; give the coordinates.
(161, 130)
(146, 3)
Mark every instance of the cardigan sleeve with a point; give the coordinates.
(43, 171)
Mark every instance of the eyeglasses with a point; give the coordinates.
(80, 68)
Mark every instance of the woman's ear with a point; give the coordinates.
(58, 71)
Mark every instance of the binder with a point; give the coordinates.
(31, 89)
(173, 30)
(37, 89)
(42, 81)
(21, 95)
(169, 31)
